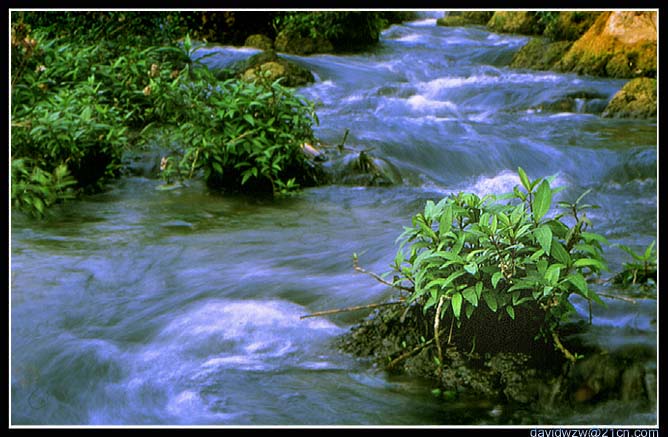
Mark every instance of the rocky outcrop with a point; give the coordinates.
(259, 41)
(569, 25)
(522, 22)
(465, 18)
(540, 54)
(270, 64)
(538, 379)
(619, 44)
(289, 41)
(637, 99)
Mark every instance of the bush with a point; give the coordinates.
(466, 250)
(239, 135)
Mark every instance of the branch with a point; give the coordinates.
(610, 296)
(561, 347)
(378, 278)
(355, 308)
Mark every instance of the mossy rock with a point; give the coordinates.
(268, 62)
(521, 22)
(292, 42)
(618, 44)
(468, 18)
(570, 25)
(259, 41)
(540, 54)
(637, 99)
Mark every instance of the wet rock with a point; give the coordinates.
(536, 380)
(465, 18)
(269, 63)
(540, 54)
(345, 166)
(259, 41)
(636, 99)
(522, 22)
(570, 25)
(621, 44)
(289, 41)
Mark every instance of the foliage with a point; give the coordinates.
(513, 256)
(345, 29)
(238, 134)
(642, 270)
(81, 81)
(34, 190)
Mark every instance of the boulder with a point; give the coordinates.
(522, 22)
(465, 18)
(621, 44)
(259, 41)
(569, 25)
(540, 54)
(268, 62)
(288, 41)
(636, 99)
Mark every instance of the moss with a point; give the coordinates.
(522, 22)
(540, 54)
(468, 18)
(636, 99)
(570, 25)
(619, 44)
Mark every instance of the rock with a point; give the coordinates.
(540, 54)
(465, 18)
(636, 99)
(522, 22)
(618, 44)
(288, 41)
(259, 41)
(570, 25)
(361, 169)
(268, 62)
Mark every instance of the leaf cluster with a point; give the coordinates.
(236, 134)
(504, 252)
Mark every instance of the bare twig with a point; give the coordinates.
(354, 308)
(437, 321)
(378, 278)
(610, 296)
(408, 354)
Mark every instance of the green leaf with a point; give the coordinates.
(541, 201)
(511, 312)
(648, 251)
(589, 262)
(446, 221)
(543, 234)
(471, 296)
(472, 268)
(559, 253)
(456, 304)
(496, 277)
(524, 178)
(579, 282)
(490, 298)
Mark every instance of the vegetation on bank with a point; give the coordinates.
(86, 87)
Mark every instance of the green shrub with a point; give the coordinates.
(239, 135)
(642, 270)
(345, 30)
(34, 190)
(466, 252)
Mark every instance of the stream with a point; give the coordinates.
(138, 306)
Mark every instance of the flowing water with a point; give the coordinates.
(144, 307)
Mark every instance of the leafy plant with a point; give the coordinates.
(641, 270)
(466, 253)
(236, 134)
